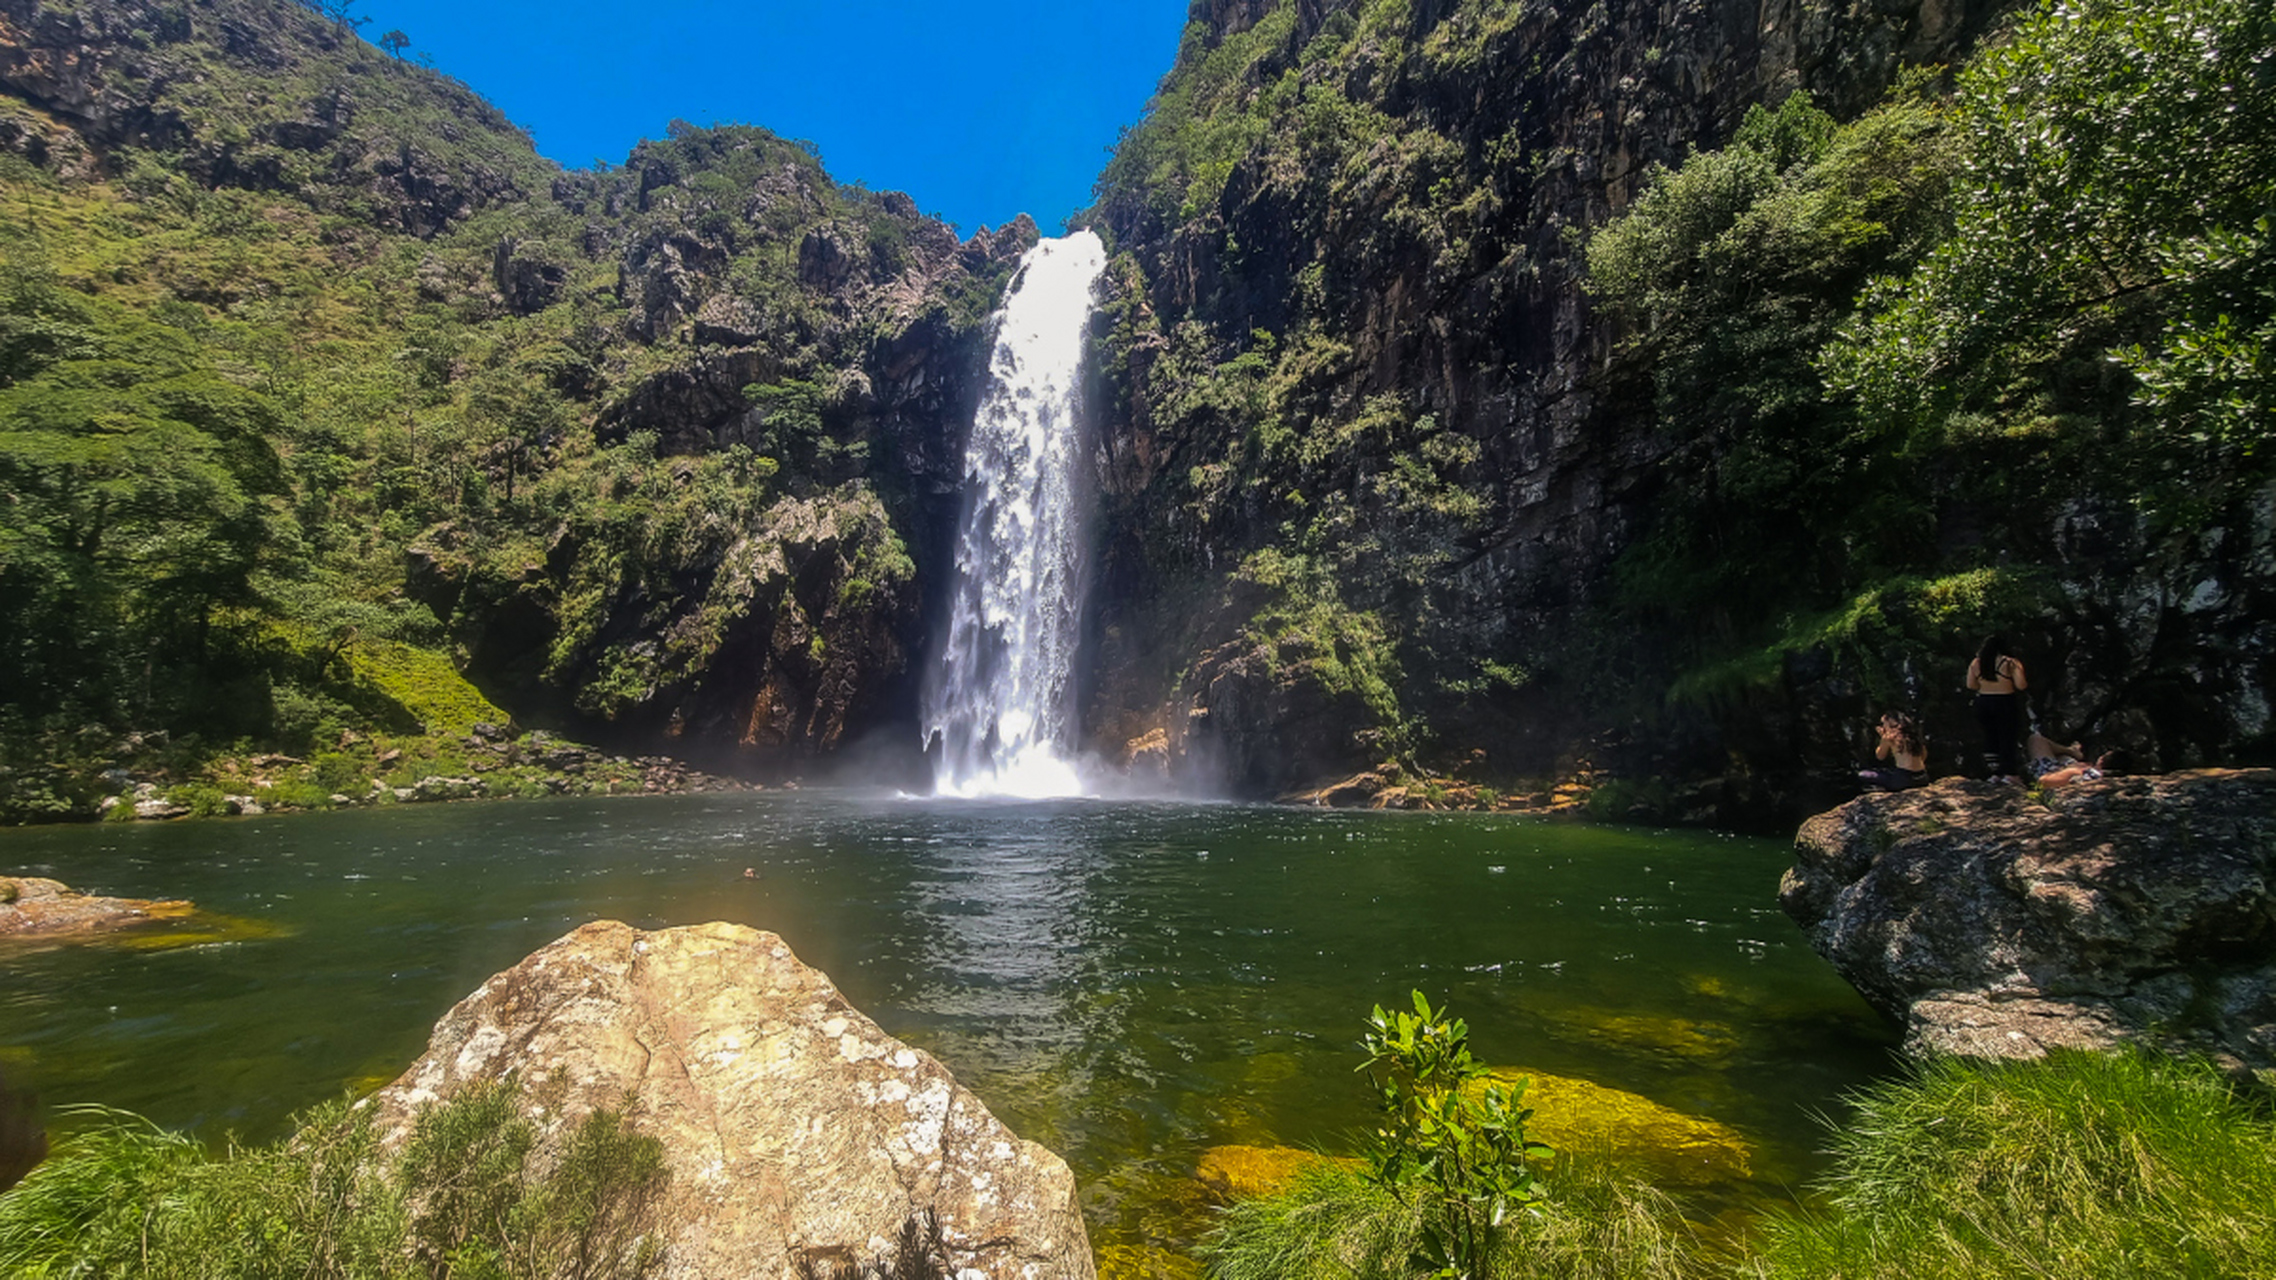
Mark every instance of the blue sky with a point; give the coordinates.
(980, 112)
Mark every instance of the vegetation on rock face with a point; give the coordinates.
(1965, 311)
(471, 1194)
(1992, 353)
(1337, 515)
(307, 359)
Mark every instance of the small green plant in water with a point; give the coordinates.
(1452, 1142)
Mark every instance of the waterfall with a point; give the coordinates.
(1000, 699)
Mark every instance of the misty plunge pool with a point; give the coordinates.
(1127, 983)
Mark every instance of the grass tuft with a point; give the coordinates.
(472, 1196)
(2084, 1165)
(1595, 1223)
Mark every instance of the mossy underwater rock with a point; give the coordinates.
(1581, 1117)
(1652, 1036)
(800, 1138)
(1145, 1262)
(1241, 1172)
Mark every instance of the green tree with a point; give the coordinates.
(2112, 239)
(1733, 272)
(395, 42)
(136, 485)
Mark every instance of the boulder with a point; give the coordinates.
(1998, 922)
(434, 788)
(1240, 1172)
(34, 908)
(1582, 1116)
(801, 1139)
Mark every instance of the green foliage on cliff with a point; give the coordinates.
(2112, 237)
(469, 1195)
(335, 360)
(1314, 133)
(1889, 350)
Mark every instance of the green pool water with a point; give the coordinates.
(1127, 983)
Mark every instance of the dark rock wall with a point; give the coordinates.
(1502, 347)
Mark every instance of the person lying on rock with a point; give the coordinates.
(2056, 764)
(1905, 750)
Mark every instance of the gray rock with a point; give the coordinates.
(1998, 922)
(438, 788)
(799, 1136)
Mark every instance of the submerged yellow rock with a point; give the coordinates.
(1648, 1035)
(1239, 1172)
(1144, 1262)
(1587, 1118)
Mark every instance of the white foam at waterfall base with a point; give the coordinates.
(999, 699)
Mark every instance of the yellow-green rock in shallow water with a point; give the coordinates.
(1586, 1118)
(1238, 1172)
(1144, 1262)
(1649, 1035)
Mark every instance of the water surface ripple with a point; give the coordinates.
(1128, 983)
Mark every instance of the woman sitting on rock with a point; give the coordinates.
(1905, 750)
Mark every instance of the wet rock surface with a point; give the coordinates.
(31, 907)
(1997, 922)
(797, 1133)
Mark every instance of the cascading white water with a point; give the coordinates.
(1000, 698)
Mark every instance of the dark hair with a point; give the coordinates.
(1908, 733)
(1988, 658)
(2115, 761)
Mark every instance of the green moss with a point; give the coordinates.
(425, 684)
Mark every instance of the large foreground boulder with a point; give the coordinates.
(2001, 923)
(801, 1139)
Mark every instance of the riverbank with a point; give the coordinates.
(145, 780)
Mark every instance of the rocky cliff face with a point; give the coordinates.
(1370, 457)
(1998, 923)
(669, 450)
(330, 119)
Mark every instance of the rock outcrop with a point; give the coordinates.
(1402, 345)
(2001, 923)
(322, 116)
(47, 909)
(801, 1139)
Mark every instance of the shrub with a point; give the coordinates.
(1592, 1223)
(1452, 1142)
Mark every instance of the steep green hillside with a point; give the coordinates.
(304, 350)
(1505, 387)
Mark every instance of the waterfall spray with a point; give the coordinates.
(1000, 698)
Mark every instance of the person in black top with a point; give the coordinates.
(1998, 680)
